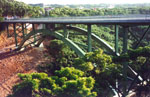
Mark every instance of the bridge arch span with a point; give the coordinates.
(67, 41)
(94, 37)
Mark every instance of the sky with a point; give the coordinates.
(85, 1)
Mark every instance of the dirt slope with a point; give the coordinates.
(12, 63)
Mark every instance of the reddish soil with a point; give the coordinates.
(12, 62)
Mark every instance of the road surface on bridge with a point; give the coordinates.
(120, 19)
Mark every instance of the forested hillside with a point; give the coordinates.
(66, 11)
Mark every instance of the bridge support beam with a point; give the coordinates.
(44, 26)
(65, 31)
(16, 41)
(8, 30)
(143, 36)
(23, 30)
(110, 49)
(125, 64)
(125, 39)
(89, 38)
(116, 39)
(33, 28)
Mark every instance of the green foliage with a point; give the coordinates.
(71, 73)
(134, 54)
(139, 61)
(66, 11)
(136, 58)
(35, 11)
(101, 68)
(95, 64)
(96, 59)
(1, 11)
(10, 8)
(83, 65)
(1, 19)
(68, 82)
(47, 68)
(62, 54)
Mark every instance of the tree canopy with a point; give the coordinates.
(16, 8)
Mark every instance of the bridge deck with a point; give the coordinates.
(128, 19)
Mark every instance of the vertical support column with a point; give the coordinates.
(44, 26)
(116, 46)
(65, 31)
(125, 39)
(125, 64)
(33, 26)
(70, 25)
(116, 39)
(89, 38)
(23, 30)
(16, 41)
(8, 30)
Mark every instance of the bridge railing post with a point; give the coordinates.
(89, 38)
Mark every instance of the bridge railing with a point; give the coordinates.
(144, 16)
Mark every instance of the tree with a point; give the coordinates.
(67, 82)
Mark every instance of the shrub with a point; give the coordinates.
(100, 66)
(62, 54)
(67, 82)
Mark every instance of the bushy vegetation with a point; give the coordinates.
(67, 82)
(101, 67)
(94, 68)
(16, 8)
(138, 61)
(66, 11)
(1, 11)
(90, 75)
(61, 56)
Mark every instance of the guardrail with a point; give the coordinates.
(109, 19)
(95, 17)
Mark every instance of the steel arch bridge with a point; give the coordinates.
(51, 27)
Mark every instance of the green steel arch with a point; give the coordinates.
(70, 43)
(67, 41)
(94, 37)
